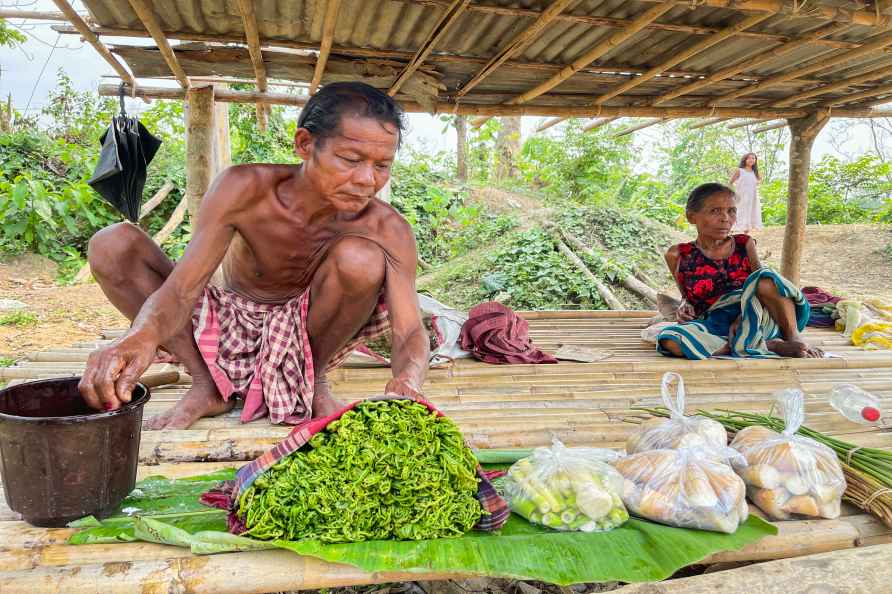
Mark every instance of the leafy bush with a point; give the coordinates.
(18, 318)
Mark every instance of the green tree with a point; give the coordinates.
(9, 37)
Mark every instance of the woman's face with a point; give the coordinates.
(750, 160)
(716, 216)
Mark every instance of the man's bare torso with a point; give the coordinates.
(275, 253)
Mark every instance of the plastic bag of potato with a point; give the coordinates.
(788, 474)
(678, 431)
(688, 487)
(567, 489)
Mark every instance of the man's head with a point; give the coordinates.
(347, 135)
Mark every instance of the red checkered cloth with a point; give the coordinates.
(227, 495)
(495, 334)
(261, 351)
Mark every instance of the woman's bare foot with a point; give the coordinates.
(324, 403)
(202, 400)
(794, 348)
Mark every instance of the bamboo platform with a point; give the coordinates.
(496, 407)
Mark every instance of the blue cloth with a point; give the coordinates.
(700, 338)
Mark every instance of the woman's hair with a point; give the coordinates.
(699, 195)
(323, 112)
(755, 163)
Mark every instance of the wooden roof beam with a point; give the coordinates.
(252, 37)
(870, 18)
(146, 14)
(821, 64)
(331, 18)
(746, 122)
(867, 94)
(774, 126)
(680, 57)
(753, 61)
(549, 123)
(708, 122)
(617, 23)
(598, 123)
(836, 86)
(516, 45)
(641, 126)
(449, 17)
(84, 29)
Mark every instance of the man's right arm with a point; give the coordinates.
(112, 372)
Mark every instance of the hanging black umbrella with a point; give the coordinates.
(120, 174)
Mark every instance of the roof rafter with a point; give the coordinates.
(598, 123)
(746, 122)
(680, 57)
(84, 29)
(252, 37)
(331, 18)
(753, 62)
(708, 122)
(146, 14)
(822, 64)
(639, 126)
(836, 86)
(516, 45)
(869, 18)
(882, 90)
(549, 123)
(774, 126)
(449, 17)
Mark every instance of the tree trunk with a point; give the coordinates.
(507, 147)
(461, 148)
(200, 153)
(804, 131)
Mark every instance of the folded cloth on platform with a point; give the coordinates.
(867, 323)
(823, 306)
(701, 338)
(495, 334)
(261, 352)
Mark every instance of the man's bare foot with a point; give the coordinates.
(794, 348)
(324, 403)
(723, 352)
(202, 400)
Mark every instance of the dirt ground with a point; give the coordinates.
(849, 260)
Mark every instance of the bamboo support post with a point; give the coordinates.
(679, 57)
(602, 288)
(200, 153)
(146, 14)
(449, 17)
(84, 29)
(517, 44)
(331, 18)
(252, 37)
(804, 131)
(598, 123)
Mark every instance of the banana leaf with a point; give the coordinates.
(635, 552)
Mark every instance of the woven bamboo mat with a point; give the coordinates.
(496, 406)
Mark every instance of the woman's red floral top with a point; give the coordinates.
(705, 280)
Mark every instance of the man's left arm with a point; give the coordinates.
(411, 345)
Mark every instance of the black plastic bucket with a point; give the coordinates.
(60, 459)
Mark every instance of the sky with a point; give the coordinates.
(29, 74)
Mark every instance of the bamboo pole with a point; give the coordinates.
(639, 126)
(753, 62)
(598, 123)
(172, 223)
(708, 122)
(602, 288)
(517, 44)
(331, 18)
(84, 29)
(252, 37)
(879, 73)
(745, 123)
(822, 64)
(774, 126)
(870, 18)
(146, 14)
(36, 15)
(231, 96)
(200, 136)
(854, 97)
(679, 57)
(549, 123)
(449, 17)
(155, 200)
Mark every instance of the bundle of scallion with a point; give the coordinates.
(868, 471)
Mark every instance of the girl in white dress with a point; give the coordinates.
(746, 180)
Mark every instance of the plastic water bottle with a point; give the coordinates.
(855, 404)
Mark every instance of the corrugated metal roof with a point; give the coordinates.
(377, 29)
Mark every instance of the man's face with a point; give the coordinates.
(350, 168)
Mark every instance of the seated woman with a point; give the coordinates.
(732, 305)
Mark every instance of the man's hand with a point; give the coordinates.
(112, 372)
(400, 386)
(685, 312)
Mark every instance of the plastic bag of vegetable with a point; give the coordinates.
(378, 469)
(788, 474)
(688, 487)
(678, 431)
(567, 489)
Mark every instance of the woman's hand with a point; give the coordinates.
(685, 312)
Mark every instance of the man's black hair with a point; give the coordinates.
(699, 195)
(323, 112)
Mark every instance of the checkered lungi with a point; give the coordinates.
(261, 352)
